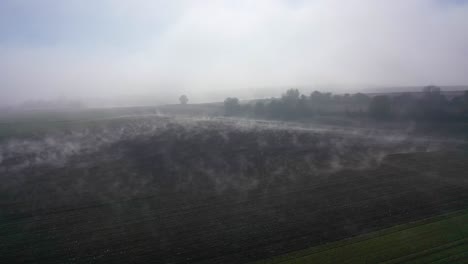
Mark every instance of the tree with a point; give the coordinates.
(465, 106)
(405, 106)
(290, 102)
(316, 97)
(259, 108)
(361, 102)
(302, 106)
(380, 107)
(431, 90)
(276, 108)
(291, 97)
(361, 99)
(231, 106)
(183, 99)
(433, 103)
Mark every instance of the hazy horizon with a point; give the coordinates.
(213, 49)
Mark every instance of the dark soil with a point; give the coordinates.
(218, 194)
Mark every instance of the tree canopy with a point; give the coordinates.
(183, 99)
(429, 105)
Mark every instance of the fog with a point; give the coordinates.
(243, 147)
(56, 148)
(106, 50)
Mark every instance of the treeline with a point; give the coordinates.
(430, 105)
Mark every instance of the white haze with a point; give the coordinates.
(213, 49)
(55, 149)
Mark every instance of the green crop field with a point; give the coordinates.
(441, 239)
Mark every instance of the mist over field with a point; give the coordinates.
(269, 131)
(56, 149)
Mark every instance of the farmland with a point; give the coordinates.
(213, 190)
(218, 132)
(441, 239)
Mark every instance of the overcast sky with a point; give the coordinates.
(213, 49)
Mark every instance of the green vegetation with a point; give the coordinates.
(442, 239)
(428, 105)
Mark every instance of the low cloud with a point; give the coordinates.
(213, 49)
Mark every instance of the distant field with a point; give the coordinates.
(21, 124)
(36, 123)
(442, 239)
